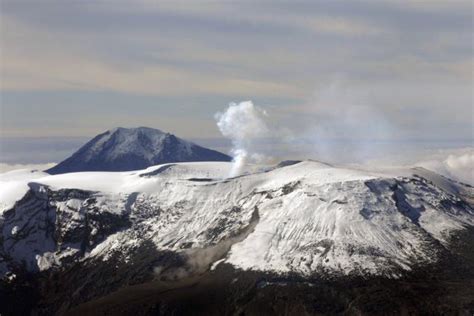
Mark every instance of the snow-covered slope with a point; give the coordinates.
(306, 218)
(124, 149)
(14, 184)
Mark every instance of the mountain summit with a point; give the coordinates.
(125, 149)
(310, 236)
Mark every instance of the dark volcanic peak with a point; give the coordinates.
(124, 149)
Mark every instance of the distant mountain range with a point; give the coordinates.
(126, 149)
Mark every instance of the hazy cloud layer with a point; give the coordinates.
(78, 68)
(4, 167)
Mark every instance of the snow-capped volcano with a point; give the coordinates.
(88, 234)
(306, 218)
(124, 149)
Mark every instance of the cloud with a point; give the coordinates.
(459, 166)
(5, 167)
(454, 163)
(44, 60)
(412, 58)
(43, 50)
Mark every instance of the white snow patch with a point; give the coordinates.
(312, 217)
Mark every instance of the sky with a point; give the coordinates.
(367, 71)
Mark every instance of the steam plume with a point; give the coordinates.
(242, 123)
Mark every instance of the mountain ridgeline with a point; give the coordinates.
(126, 149)
(299, 238)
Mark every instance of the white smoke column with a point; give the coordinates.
(242, 123)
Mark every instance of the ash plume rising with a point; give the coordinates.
(242, 123)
